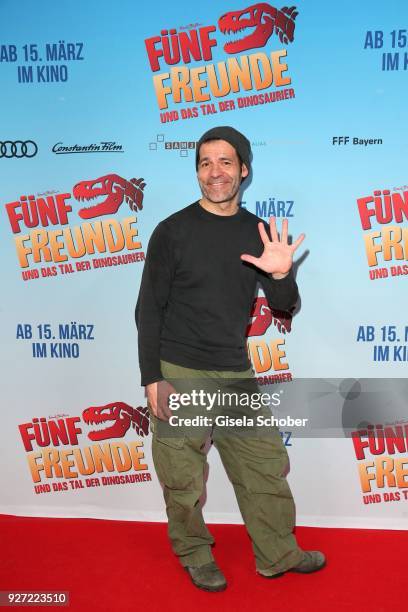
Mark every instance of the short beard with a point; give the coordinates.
(230, 197)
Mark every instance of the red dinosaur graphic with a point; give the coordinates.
(262, 316)
(266, 20)
(119, 417)
(115, 188)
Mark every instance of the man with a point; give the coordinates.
(202, 268)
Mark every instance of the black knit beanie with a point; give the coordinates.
(240, 143)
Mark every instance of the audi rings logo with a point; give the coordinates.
(18, 148)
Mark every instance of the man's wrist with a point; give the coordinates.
(279, 276)
(150, 381)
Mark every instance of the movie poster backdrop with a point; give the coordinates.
(102, 107)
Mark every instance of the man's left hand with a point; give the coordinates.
(277, 257)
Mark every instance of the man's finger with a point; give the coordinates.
(263, 234)
(284, 237)
(274, 231)
(250, 259)
(165, 389)
(297, 242)
(152, 407)
(164, 412)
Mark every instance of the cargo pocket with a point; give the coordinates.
(165, 434)
(176, 443)
(170, 460)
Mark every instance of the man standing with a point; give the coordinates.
(202, 267)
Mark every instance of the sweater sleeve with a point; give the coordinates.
(152, 301)
(281, 294)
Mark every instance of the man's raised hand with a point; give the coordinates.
(277, 256)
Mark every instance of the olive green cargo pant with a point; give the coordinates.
(255, 465)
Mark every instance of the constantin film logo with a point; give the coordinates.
(104, 146)
(18, 148)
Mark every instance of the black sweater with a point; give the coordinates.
(196, 293)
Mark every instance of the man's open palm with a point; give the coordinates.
(277, 257)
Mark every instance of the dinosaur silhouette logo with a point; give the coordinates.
(266, 20)
(115, 189)
(115, 419)
(262, 317)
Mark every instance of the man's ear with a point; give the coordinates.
(244, 171)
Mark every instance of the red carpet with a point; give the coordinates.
(123, 566)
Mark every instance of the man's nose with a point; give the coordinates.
(216, 170)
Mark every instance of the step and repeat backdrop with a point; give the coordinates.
(102, 107)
